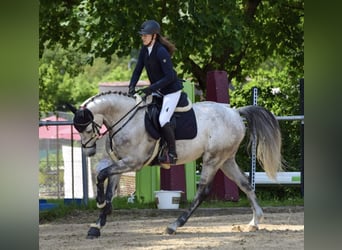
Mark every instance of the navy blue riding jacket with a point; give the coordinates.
(159, 68)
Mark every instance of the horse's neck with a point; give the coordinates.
(111, 106)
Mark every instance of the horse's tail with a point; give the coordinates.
(264, 129)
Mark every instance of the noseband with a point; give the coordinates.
(96, 134)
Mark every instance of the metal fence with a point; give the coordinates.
(252, 172)
(64, 171)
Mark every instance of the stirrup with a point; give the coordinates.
(168, 158)
(172, 158)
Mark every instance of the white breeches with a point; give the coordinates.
(169, 105)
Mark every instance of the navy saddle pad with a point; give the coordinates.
(184, 122)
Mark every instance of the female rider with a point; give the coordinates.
(155, 56)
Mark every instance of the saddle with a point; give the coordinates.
(183, 120)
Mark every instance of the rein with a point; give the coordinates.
(99, 135)
(123, 125)
(111, 127)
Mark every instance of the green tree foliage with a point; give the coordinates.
(235, 36)
(66, 77)
(58, 71)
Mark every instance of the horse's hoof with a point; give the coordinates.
(252, 228)
(93, 233)
(170, 230)
(90, 237)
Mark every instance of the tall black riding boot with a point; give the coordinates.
(169, 136)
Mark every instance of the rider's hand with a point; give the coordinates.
(147, 91)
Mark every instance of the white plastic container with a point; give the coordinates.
(168, 199)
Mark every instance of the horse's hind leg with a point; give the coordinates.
(232, 170)
(202, 192)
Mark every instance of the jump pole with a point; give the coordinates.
(253, 160)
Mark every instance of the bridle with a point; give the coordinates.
(96, 134)
(96, 127)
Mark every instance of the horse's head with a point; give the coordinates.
(107, 108)
(88, 127)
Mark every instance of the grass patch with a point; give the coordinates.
(268, 196)
(63, 210)
(244, 202)
(60, 211)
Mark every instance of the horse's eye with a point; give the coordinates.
(88, 131)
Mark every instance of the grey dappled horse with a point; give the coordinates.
(220, 132)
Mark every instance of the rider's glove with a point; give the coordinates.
(147, 91)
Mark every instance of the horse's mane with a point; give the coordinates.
(91, 99)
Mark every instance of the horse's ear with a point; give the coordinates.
(71, 108)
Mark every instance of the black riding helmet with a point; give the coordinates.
(149, 27)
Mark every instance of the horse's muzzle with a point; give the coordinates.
(90, 151)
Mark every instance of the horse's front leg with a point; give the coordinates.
(116, 168)
(94, 230)
(106, 206)
(125, 165)
(100, 195)
(102, 198)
